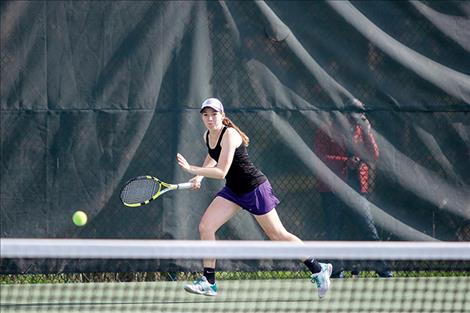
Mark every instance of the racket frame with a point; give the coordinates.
(158, 193)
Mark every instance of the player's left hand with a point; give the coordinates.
(182, 162)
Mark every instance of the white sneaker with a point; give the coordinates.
(322, 279)
(202, 287)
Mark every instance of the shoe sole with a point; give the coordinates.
(196, 292)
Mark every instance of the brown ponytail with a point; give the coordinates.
(227, 122)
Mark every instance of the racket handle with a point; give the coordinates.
(185, 186)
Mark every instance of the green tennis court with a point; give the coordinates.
(414, 294)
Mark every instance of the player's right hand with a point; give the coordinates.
(196, 182)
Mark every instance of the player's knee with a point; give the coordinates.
(205, 229)
(278, 235)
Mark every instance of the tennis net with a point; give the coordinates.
(89, 275)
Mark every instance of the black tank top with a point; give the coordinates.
(243, 176)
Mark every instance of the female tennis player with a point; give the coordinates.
(246, 187)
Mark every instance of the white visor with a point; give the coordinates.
(213, 103)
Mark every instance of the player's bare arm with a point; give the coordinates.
(230, 141)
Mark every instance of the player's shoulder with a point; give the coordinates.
(232, 135)
(204, 135)
(231, 131)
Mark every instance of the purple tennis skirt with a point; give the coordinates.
(259, 201)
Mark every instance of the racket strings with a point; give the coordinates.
(139, 191)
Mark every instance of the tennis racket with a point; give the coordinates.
(143, 189)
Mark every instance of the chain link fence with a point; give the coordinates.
(410, 182)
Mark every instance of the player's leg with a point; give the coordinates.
(275, 230)
(273, 227)
(216, 215)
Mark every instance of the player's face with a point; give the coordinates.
(212, 119)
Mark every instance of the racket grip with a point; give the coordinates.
(185, 186)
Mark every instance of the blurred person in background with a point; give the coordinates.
(348, 148)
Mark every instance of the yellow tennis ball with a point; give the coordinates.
(79, 218)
